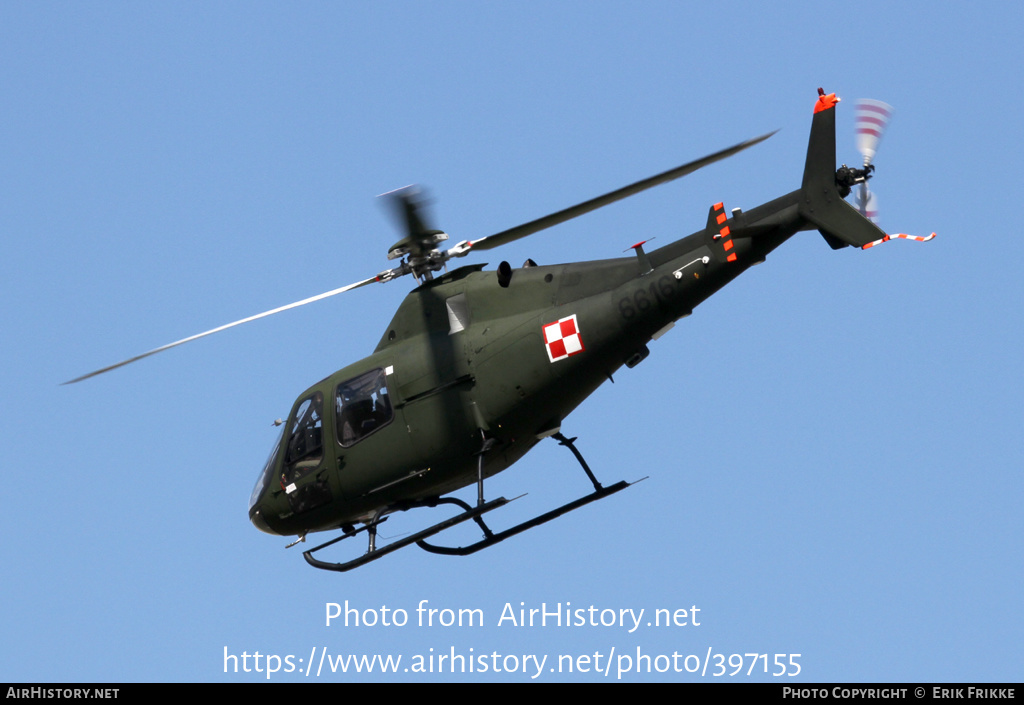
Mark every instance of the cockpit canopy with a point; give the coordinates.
(361, 407)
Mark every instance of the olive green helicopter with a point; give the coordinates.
(477, 367)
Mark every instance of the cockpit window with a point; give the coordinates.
(305, 438)
(362, 406)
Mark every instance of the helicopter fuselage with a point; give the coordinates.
(478, 355)
(476, 367)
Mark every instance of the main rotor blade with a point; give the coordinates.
(409, 207)
(561, 216)
(318, 297)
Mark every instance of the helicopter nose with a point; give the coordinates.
(256, 517)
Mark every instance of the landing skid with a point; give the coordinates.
(492, 538)
(475, 513)
(373, 553)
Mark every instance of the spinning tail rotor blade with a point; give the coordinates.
(872, 118)
(867, 204)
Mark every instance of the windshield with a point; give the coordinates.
(305, 446)
(264, 477)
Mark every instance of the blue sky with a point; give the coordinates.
(832, 442)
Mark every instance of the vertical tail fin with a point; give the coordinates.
(821, 202)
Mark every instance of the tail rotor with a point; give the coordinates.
(872, 118)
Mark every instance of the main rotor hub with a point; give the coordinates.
(417, 244)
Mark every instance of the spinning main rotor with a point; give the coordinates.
(419, 254)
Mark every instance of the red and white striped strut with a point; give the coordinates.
(918, 238)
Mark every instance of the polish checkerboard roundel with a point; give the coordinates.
(562, 338)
